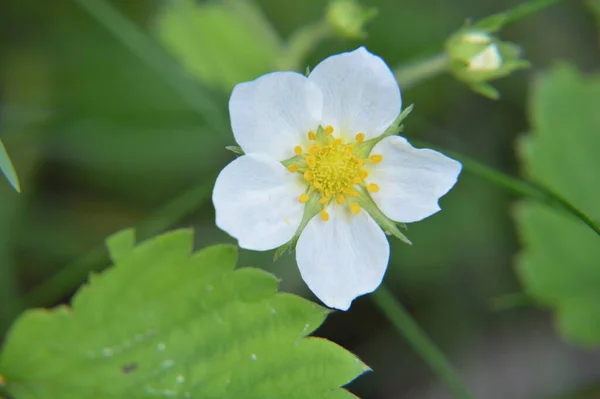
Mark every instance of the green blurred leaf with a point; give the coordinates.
(560, 263)
(169, 323)
(221, 43)
(7, 168)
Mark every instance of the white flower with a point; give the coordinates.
(320, 125)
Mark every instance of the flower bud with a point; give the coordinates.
(348, 18)
(477, 57)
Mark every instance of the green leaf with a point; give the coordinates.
(165, 322)
(221, 43)
(560, 262)
(7, 168)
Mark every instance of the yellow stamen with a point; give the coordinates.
(324, 200)
(328, 130)
(308, 175)
(340, 199)
(318, 185)
(363, 174)
(324, 215)
(337, 142)
(314, 149)
(293, 168)
(355, 208)
(298, 150)
(312, 135)
(351, 193)
(373, 188)
(376, 158)
(303, 198)
(360, 137)
(311, 161)
(348, 149)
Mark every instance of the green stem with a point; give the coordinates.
(143, 47)
(416, 72)
(419, 341)
(302, 42)
(524, 188)
(517, 13)
(71, 276)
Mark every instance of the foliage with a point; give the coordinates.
(221, 43)
(560, 265)
(7, 168)
(165, 322)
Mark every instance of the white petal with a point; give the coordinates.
(273, 114)
(410, 180)
(342, 258)
(360, 93)
(256, 202)
(487, 60)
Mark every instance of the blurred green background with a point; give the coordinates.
(103, 138)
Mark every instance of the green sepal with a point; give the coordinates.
(362, 150)
(389, 226)
(486, 90)
(235, 149)
(491, 24)
(311, 209)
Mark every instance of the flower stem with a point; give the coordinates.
(524, 188)
(419, 341)
(418, 71)
(301, 43)
(153, 55)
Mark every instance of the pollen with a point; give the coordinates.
(355, 208)
(292, 168)
(303, 198)
(333, 171)
(298, 150)
(373, 188)
(376, 158)
(312, 135)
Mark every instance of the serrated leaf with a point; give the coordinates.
(163, 322)
(560, 262)
(8, 169)
(221, 43)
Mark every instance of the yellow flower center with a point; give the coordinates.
(332, 170)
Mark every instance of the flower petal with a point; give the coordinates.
(410, 180)
(273, 114)
(256, 202)
(342, 258)
(360, 93)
